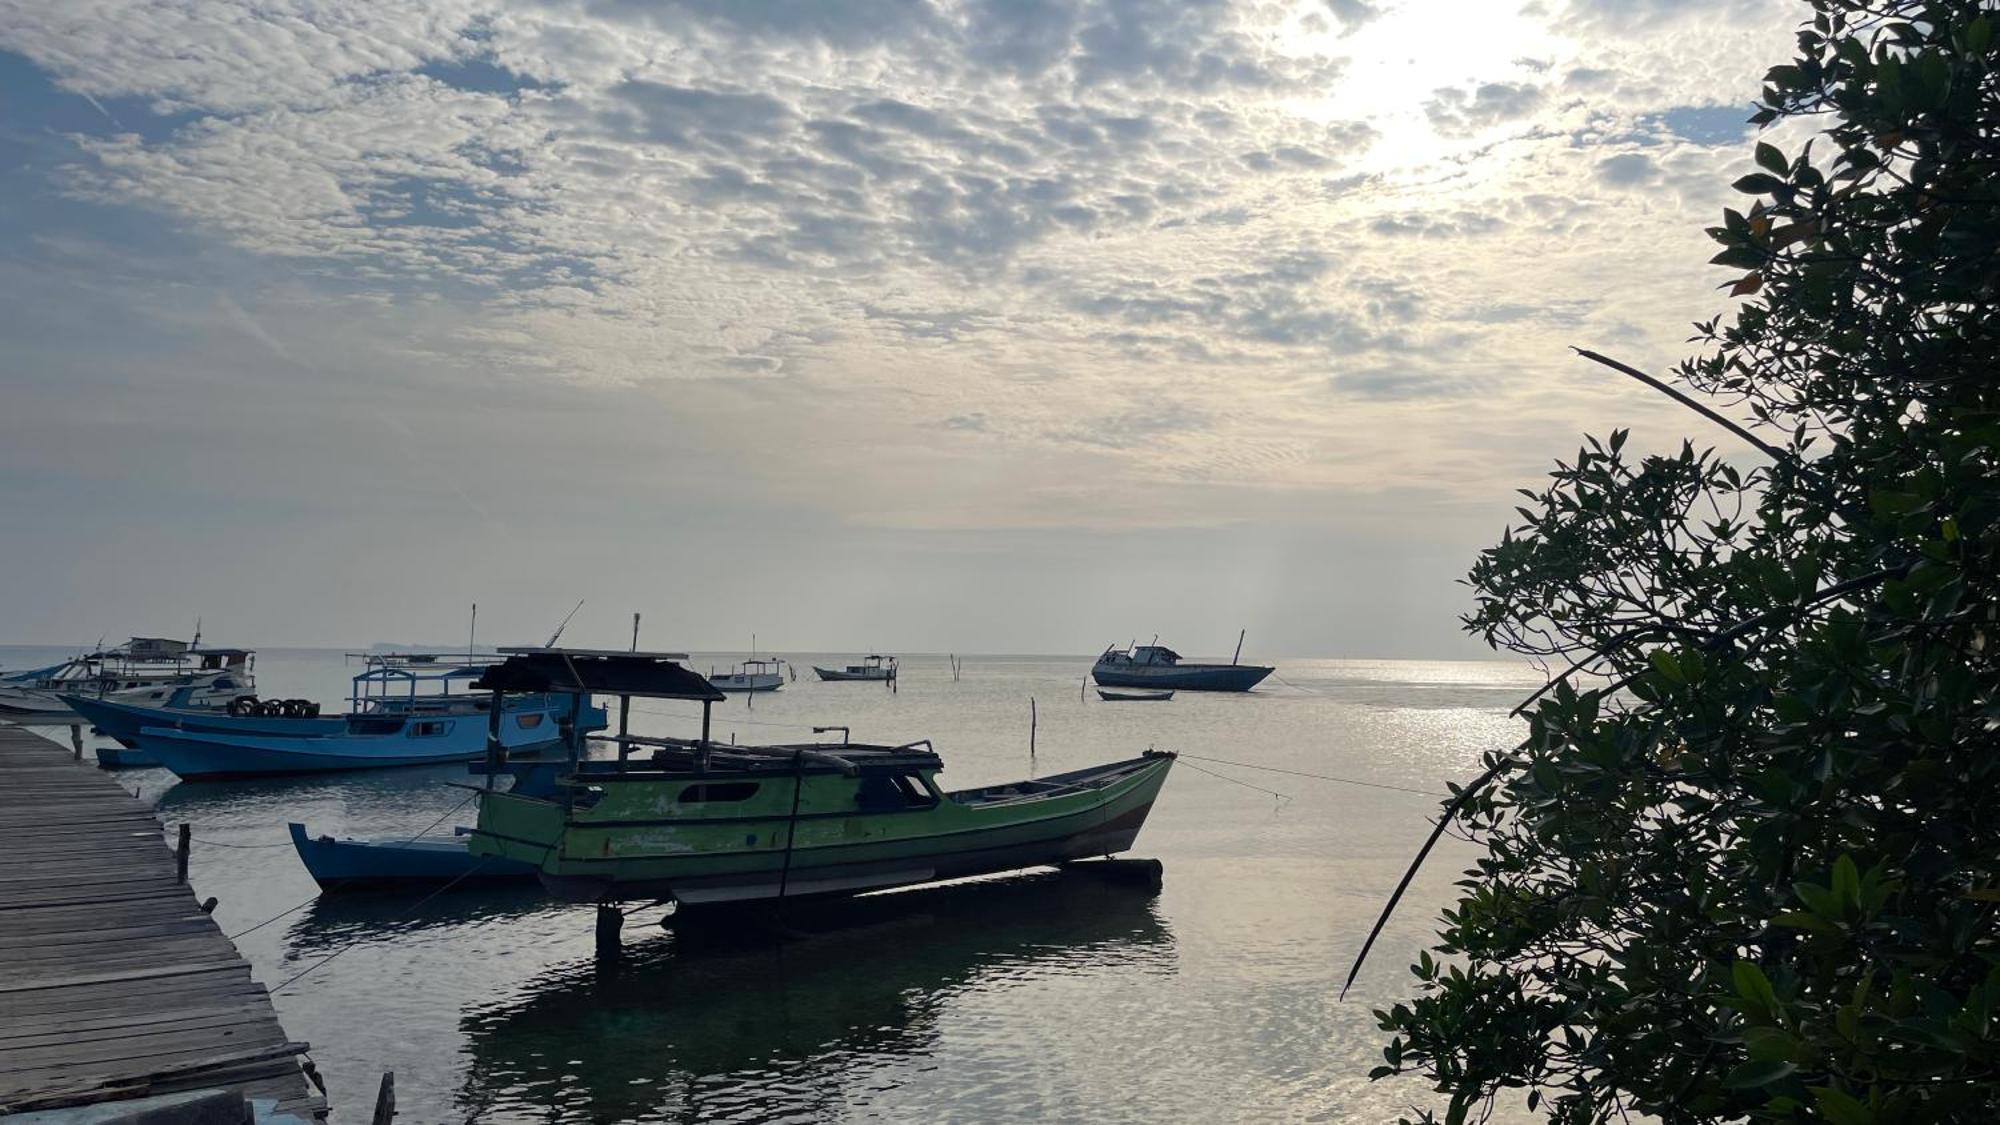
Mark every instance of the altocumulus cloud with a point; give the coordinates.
(1178, 221)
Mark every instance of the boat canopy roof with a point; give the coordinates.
(1147, 654)
(657, 675)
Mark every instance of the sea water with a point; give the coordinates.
(1028, 998)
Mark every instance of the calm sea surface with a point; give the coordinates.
(1036, 997)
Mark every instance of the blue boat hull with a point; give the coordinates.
(363, 743)
(124, 721)
(1183, 677)
(365, 864)
(123, 757)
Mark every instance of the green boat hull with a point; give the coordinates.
(695, 839)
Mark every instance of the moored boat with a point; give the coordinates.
(1158, 667)
(411, 727)
(756, 674)
(143, 671)
(873, 667)
(342, 864)
(1130, 695)
(704, 824)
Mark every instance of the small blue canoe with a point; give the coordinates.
(342, 865)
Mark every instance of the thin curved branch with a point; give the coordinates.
(1769, 450)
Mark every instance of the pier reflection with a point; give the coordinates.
(762, 1025)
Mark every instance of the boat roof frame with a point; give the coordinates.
(645, 675)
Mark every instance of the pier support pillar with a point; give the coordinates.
(76, 741)
(609, 921)
(1148, 873)
(181, 854)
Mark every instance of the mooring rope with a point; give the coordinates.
(403, 917)
(1316, 776)
(1283, 798)
(315, 898)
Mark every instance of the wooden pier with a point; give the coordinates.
(114, 983)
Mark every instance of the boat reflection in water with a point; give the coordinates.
(334, 922)
(784, 1025)
(374, 796)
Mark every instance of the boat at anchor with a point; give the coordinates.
(404, 714)
(873, 667)
(1160, 668)
(1133, 695)
(755, 674)
(144, 670)
(700, 823)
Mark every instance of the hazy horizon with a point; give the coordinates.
(931, 326)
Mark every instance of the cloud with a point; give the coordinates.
(918, 210)
(1628, 169)
(1455, 111)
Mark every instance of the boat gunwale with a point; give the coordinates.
(552, 850)
(1160, 757)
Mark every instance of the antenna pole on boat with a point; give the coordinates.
(557, 635)
(472, 632)
(1239, 645)
(635, 632)
(496, 754)
(1034, 720)
(792, 825)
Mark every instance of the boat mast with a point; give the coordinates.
(472, 632)
(1239, 645)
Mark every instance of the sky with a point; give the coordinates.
(919, 325)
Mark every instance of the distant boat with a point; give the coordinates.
(1117, 695)
(349, 864)
(404, 715)
(1159, 667)
(872, 667)
(144, 670)
(766, 674)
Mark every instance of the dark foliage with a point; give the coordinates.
(1759, 882)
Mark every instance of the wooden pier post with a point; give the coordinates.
(385, 1100)
(610, 920)
(181, 854)
(76, 741)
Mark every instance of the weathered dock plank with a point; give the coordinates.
(113, 983)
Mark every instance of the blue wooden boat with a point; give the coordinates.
(388, 684)
(406, 715)
(1160, 668)
(352, 865)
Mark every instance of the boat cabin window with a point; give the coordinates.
(225, 684)
(717, 791)
(889, 792)
(429, 728)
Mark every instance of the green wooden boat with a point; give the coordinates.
(702, 824)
